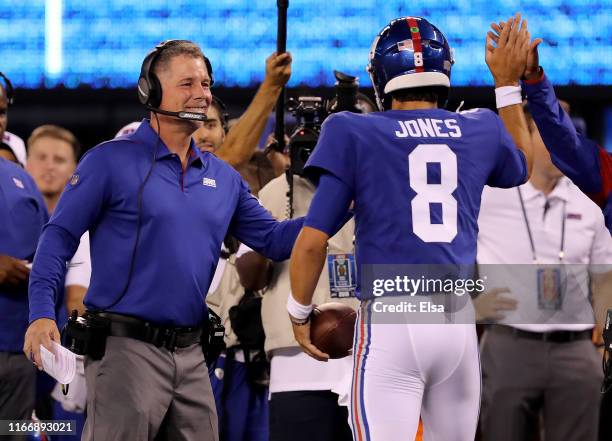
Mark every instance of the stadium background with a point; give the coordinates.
(75, 63)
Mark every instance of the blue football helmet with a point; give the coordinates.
(409, 52)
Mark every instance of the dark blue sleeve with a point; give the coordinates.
(511, 165)
(330, 205)
(55, 248)
(334, 152)
(78, 208)
(575, 155)
(254, 226)
(607, 212)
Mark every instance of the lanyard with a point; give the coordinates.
(531, 242)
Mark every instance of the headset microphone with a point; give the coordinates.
(191, 116)
(149, 87)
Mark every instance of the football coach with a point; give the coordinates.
(157, 210)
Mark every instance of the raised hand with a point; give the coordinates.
(507, 51)
(532, 68)
(278, 69)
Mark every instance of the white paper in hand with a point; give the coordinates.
(61, 366)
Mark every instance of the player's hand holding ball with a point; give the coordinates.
(328, 332)
(301, 332)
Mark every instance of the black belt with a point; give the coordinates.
(551, 336)
(160, 336)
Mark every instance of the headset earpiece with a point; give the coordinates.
(150, 89)
(149, 86)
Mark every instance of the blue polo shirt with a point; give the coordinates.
(184, 216)
(22, 216)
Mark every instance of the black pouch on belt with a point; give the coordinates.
(213, 341)
(245, 318)
(86, 335)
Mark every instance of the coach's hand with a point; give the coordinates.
(532, 68)
(278, 69)
(489, 305)
(302, 335)
(508, 58)
(40, 332)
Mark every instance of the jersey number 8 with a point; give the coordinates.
(428, 194)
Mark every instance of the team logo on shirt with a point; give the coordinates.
(74, 180)
(209, 182)
(18, 183)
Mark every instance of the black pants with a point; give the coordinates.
(308, 416)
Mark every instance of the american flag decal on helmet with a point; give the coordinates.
(405, 45)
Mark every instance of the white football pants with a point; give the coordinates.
(405, 371)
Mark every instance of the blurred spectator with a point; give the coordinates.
(53, 153)
(322, 392)
(264, 166)
(239, 376)
(538, 358)
(237, 147)
(23, 215)
(210, 137)
(11, 146)
(588, 165)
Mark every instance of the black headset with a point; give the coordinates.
(223, 114)
(150, 89)
(8, 88)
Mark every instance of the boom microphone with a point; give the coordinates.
(191, 116)
(281, 46)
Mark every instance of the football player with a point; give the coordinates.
(415, 173)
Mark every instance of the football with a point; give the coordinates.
(332, 328)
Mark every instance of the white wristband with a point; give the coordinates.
(507, 96)
(297, 310)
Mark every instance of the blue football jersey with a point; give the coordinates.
(417, 177)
